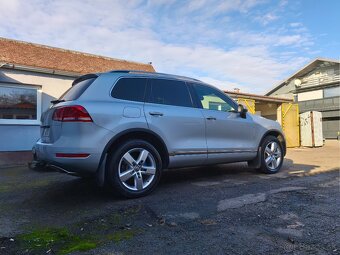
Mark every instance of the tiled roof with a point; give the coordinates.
(35, 55)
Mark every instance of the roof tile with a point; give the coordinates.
(35, 55)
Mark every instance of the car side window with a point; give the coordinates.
(212, 99)
(169, 92)
(132, 89)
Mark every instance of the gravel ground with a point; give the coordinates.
(226, 209)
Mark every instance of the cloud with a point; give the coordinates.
(267, 18)
(213, 7)
(296, 24)
(197, 39)
(283, 3)
(250, 38)
(223, 84)
(195, 5)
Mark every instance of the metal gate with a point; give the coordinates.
(248, 103)
(288, 117)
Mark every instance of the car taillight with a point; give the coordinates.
(73, 113)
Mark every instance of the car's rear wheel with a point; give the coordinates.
(134, 169)
(271, 155)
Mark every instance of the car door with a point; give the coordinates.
(229, 136)
(170, 113)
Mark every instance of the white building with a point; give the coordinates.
(31, 76)
(316, 87)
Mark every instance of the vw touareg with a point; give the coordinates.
(125, 127)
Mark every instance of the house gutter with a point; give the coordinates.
(38, 70)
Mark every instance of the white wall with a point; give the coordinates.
(23, 137)
(310, 95)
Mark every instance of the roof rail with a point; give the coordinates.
(154, 73)
(125, 71)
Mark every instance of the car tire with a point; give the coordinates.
(271, 155)
(134, 169)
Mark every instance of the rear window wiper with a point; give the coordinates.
(57, 101)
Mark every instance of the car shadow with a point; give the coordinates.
(69, 190)
(85, 191)
(289, 165)
(231, 171)
(213, 172)
(76, 190)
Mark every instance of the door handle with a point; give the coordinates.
(156, 114)
(211, 118)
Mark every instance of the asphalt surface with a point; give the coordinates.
(225, 209)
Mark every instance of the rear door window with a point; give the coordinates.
(132, 89)
(169, 92)
(76, 90)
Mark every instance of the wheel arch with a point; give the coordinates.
(138, 133)
(256, 162)
(278, 134)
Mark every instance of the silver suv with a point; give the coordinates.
(125, 127)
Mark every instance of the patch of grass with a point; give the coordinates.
(4, 188)
(121, 235)
(81, 236)
(79, 246)
(45, 237)
(58, 239)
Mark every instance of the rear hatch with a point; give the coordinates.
(51, 129)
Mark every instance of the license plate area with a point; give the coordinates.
(46, 132)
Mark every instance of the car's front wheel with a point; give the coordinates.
(271, 155)
(134, 169)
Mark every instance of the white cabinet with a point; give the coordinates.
(311, 129)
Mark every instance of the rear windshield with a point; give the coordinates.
(76, 90)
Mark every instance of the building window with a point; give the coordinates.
(19, 104)
(330, 71)
(331, 92)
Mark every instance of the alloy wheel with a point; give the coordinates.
(272, 155)
(137, 169)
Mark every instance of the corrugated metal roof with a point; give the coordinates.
(306, 69)
(258, 97)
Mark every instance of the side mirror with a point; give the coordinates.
(242, 111)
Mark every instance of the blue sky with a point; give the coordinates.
(249, 44)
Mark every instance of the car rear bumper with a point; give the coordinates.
(50, 155)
